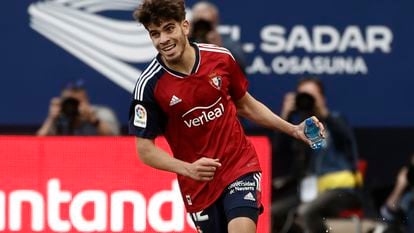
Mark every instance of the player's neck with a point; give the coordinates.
(186, 63)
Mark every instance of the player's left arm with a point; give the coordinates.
(255, 111)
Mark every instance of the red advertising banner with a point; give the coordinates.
(94, 184)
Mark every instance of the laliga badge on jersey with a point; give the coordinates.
(215, 81)
(140, 118)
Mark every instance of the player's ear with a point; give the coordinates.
(185, 25)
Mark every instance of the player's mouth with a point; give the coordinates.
(168, 48)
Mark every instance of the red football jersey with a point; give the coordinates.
(197, 115)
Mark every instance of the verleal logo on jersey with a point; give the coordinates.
(201, 115)
(140, 119)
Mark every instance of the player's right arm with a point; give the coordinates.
(147, 120)
(202, 170)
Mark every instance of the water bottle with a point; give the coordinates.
(312, 132)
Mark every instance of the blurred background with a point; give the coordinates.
(361, 50)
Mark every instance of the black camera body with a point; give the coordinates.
(200, 29)
(69, 114)
(304, 103)
(70, 107)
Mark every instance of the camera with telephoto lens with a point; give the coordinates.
(69, 113)
(305, 103)
(200, 30)
(70, 107)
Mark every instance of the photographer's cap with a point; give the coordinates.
(74, 85)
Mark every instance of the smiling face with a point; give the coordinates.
(170, 39)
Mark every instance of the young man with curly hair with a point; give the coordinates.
(192, 93)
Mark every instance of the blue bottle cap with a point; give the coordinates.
(309, 121)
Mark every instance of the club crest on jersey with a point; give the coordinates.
(140, 118)
(215, 81)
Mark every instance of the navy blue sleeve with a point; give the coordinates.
(146, 118)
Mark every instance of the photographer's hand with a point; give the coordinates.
(395, 196)
(213, 37)
(402, 180)
(47, 127)
(87, 113)
(321, 110)
(288, 105)
(54, 108)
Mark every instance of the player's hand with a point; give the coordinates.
(299, 133)
(203, 169)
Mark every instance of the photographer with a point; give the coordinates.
(315, 184)
(398, 210)
(72, 114)
(204, 29)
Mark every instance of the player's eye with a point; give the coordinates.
(154, 34)
(170, 28)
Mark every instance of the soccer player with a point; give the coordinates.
(192, 94)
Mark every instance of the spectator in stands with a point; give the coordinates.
(204, 29)
(398, 210)
(73, 114)
(326, 177)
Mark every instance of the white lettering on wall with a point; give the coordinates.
(55, 198)
(176, 223)
(326, 39)
(118, 201)
(35, 199)
(98, 199)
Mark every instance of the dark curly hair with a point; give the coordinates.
(158, 11)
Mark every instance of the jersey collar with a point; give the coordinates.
(179, 74)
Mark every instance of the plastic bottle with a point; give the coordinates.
(312, 132)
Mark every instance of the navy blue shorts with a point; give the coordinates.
(242, 198)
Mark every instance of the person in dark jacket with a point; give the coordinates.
(317, 183)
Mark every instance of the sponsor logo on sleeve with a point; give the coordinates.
(140, 119)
